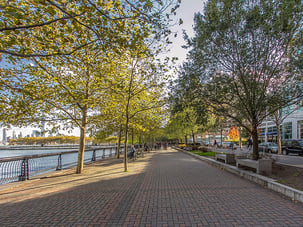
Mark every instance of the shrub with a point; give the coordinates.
(203, 149)
(181, 146)
(205, 154)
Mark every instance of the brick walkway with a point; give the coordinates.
(166, 188)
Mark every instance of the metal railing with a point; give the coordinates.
(25, 167)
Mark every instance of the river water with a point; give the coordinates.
(16, 153)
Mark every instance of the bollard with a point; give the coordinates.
(59, 166)
(94, 156)
(24, 170)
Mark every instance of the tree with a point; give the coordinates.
(65, 45)
(187, 109)
(140, 91)
(243, 48)
(68, 89)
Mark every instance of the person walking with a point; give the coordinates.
(132, 151)
(249, 144)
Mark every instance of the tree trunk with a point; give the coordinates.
(279, 138)
(255, 142)
(125, 147)
(185, 139)
(240, 138)
(143, 142)
(194, 141)
(119, 142)
(82, 141)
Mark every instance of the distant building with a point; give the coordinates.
(14, 135)
(36, 133)
(4, 135)
(291, 127)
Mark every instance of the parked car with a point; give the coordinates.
(293, 146)
(205, 143)
(219, 144)
(230, 145)
(268, 147)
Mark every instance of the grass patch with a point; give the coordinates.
(296, 174)
(205, 154)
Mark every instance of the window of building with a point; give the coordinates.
(300, 129)
(287, 130)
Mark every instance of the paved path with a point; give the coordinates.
(166, 188)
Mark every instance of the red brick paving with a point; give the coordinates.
(166, 188)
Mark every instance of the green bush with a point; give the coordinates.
(205, 154)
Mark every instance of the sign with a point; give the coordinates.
(233, 133)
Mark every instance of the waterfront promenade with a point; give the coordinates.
(165, 188)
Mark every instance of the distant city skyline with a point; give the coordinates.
(29, 131)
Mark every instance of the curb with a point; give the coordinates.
(266, 182)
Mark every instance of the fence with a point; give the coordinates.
(25, 167)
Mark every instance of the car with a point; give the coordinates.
(268, 147)
(230, 145)
(205, 143)
(293, 146)
(219, 144)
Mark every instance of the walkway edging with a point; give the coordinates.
(267, 182)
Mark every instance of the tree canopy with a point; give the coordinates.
(243, 50)
(62, 59)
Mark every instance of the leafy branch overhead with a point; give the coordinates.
(51, 27)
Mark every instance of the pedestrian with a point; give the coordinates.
(249, 143)
(145, 147)
(215, 144)
(132, 150)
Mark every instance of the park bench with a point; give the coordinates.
(138, 153)
(261, 165)
(227, 158)
(131, 156)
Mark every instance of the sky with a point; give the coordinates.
(186, 12)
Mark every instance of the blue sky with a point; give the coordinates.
(186, 11)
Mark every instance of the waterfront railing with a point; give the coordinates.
(25, 167)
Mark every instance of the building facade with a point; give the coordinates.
(291, 127)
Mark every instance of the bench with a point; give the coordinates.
(130, 155)
(261, 165)
(139, 152)
(227, 158)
